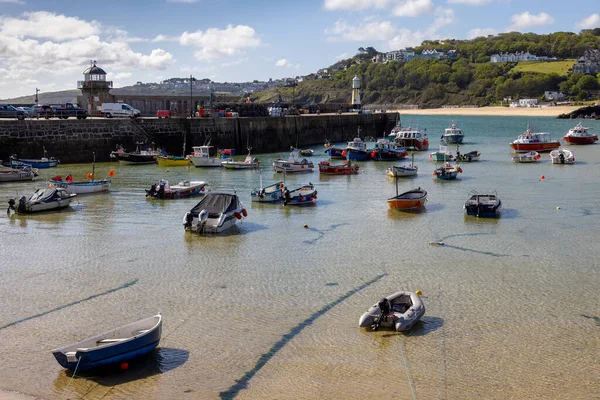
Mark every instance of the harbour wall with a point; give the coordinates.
(75, 141)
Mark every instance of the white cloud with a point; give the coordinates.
(527, 20)
(214, 43)
(407, 38)
(342, 56)
(366, 31)
(355, 4)
(471, 2)
(43, 24)
(118, 75)
(591, 22)
(413, 8)
(235, 62)
(12, 1)
(164, 38)
(478, 32)
(284, 63)
(443, 16)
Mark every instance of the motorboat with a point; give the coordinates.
(385, 150)
(138, 157)
(118, 345)
(272, 193)
(80, 187)
(410, 200)
(399, 311)
(303, 195)
(562, 156)
(293, 163)
(443, 154)
(306, 152)
(173, 161)
(534, 141)
(403, 171)
(453, 134)
(580, 135)
(25, 173)
(345, 168)
(162, 190)
(447, 172)
(248, 163)
(356, 150)
(484, 205)
(467, 157)
(529, 157)
(334, 152)
(42, 200)
(201, 156)
(41, 163)
(218, 211)
(409, 138)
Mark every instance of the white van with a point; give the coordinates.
(110, 110)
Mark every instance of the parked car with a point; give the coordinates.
(110, 110)
(8, 111)
(26, 110)
(42, 111)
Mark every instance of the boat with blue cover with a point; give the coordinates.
(385, 150)
(115, 346)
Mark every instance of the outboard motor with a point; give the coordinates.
(202, 218)
(561, 157)
(187, 220)
(22, 204)
(11, 205)
(286, 196)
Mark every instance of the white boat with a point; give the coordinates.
(25, 173)
(534, 141)
(443, 154)
(532, 156)
(272, 193)
(42, 200)
(162, 190)
(301, 196)
(248, 163)
(82, 187)
(293, 164)
(307, 152)
(403, 171)
(562, 156)
(400, 310)
(409, 138)
(218, 211)
(580, 135)
(453, 134)
(201, 157)
(138, 157)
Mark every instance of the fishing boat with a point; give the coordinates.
(345, 168)
(403, 171)
(467, 157)
(88, 186)
(532, 156)
(334, 152)
(562, 156)
(293, 164)
(201, 156)
(138, 157)
(447, 172)
(248, 163)
(303, 195)
(409, 138)
(453, 134)
(580, 135)
(306, 152)
(443, 154)
(42, 200)
(118, 345)
(25, 173)
(356, 150)
(410, 200)
(44, 162)
(167, 160)
(218, 211)
(534, 141)
(484, 205)
(268, 194)
(385, 150)
(400, 311)
(162, 190)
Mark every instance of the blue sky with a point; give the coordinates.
(48, 44)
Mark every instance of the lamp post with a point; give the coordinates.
(36, 95)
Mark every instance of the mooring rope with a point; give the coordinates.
(72, 376)
(414, 396)
(439, 337)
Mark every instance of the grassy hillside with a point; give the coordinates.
(561, 67)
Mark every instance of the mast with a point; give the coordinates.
(94, 165)
(184, 138)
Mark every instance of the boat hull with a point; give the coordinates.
(401, 319)
(453, 139)
(202, 162)
(82, 187)
(343, 169)
(173, 162)
(412, 199)
(136, 159)
(238, 165)
(397, 172)
(581, 139)
(285, 166)
(335, 153)
(15, 175)
(525, 147)
(19, 162)
(357, 155)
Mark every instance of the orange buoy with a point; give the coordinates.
(237, 215)
(542, 177)
(111, 172)
(244, 212)
(90, 175)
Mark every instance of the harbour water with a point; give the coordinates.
(271, 311)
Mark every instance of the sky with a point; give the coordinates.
(47, 45)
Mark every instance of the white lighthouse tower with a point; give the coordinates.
(356, 92)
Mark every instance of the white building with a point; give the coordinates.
(513, 57)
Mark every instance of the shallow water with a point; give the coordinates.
(271, 310)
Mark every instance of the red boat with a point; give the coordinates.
(530, 141)
(346, 168)
(580, 135)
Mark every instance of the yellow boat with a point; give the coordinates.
(173, 161)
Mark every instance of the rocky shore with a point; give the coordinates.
(589, 112)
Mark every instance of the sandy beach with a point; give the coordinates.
(495, 111)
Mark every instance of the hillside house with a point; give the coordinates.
(589, 63)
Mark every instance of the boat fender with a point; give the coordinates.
(203, 216)
(237, 215)
(244, 212)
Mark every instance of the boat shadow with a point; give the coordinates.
(406, 214)
(158, 361)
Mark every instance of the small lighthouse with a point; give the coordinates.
(356, 92)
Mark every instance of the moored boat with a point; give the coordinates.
(248, 163)
(306, 152)
(218, 211)
(42, 200)
(443, 154)
(409, 138)
(162, 190)
(409, 200)
(467, 157)
(453, 134)
(562, 156)
(333, 151)
(356, 150)
(293, 164)
(400, 311)
(41, 163)
(484, 205)
(138, 157)
(25, 173)
(534, 141)
(83, 187)
(173, 161)
(529, 157)
(268, 194)
(447, 172)
(580, 135)
(385, 150)
(345, 168)
(405, 170)
(118, 345)
(303, 195)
